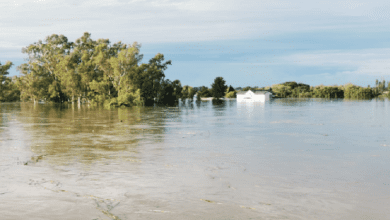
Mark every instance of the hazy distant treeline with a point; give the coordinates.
(300, 90)
(348, 91)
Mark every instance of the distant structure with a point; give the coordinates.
(258, 96)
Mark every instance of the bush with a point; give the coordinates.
(232, 94)
(131, 99)
(109, 103)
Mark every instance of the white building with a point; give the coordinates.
(260, 96)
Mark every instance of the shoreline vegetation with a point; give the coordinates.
(97, 72)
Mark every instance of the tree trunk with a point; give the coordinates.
(79, 100)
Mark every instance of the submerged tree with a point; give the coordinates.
(3, 73)
(186, 92)
(203, 91)
(8, 87)
(167, 93)
(218, 88)
(97, 71)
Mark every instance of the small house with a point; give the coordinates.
(260, 96)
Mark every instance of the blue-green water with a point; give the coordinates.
(283, 159)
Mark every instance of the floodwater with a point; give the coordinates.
(284, 159)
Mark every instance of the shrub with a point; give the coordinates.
(232, 94)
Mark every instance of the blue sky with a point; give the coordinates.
(248, 43)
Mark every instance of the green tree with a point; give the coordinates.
(204, 92)
(291, 85)
(34, 82)
(186, 92)
(13, 92)
(124, 65)
(192, 92)
(8, 86)
(43, 58)
(103, 52)
(229, 89)
(59, 70)
(383, 85)
(218, 88)
(4, 71)
(232, 94)
(356, 92)
(177, 89)
(167, 93)
(69, 78)
(3, 79)
(149, 78)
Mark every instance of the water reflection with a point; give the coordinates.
(251, 109)
(296, 101)
(58, 131)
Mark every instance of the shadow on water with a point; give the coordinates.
(219, 107)
(299, 102)
(7, 110)
(87, 134)
(309, 101)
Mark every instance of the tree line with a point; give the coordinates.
(98, 72)
(300, 90)
(93, 71)
(348, 91)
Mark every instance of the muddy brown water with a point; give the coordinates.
(284, 159)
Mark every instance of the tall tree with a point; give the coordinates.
(218, 88)
(104, 51)
(4, 72)
(167, 93)
(86, 69)
(203, 91)
(44, 56)
(149, 78)
(69, 77)
(3, 78)
(177, 89)
(60, 70)
(124, 65)
(383, 85)
(34, 82)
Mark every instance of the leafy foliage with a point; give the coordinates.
(8, 87)
(95, 70)
(204, 92)
(232, 94)
(218, 88)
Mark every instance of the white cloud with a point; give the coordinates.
(191, 5)
(378, 67)
(152, 21)
(375, 62)
(379, 13)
